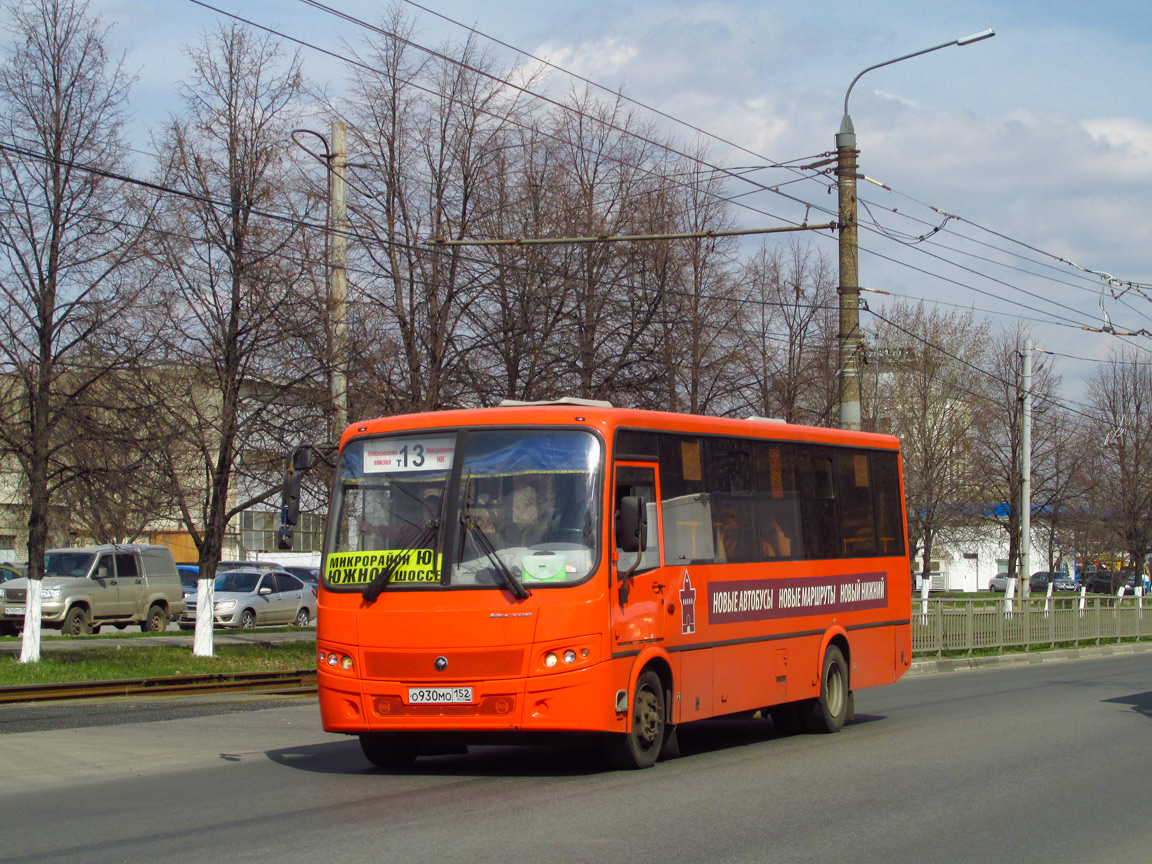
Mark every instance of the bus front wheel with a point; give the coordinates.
(640, 746)
(830, 710)
(390, 750)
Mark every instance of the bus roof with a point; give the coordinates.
(605, 418)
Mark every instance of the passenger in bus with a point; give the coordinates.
(774, 540)
(734, 537)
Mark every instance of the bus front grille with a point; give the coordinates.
(470, 665)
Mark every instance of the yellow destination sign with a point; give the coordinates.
(360, 568)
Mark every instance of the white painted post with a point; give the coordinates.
(33, 607)
(205, 617)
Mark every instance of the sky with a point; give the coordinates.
(1039, 139)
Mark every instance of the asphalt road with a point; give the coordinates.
(1037, 762)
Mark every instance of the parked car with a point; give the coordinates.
(1064, 582)
(1105, 581)
(86, 588)
(1131, 585)
(1039, 581)
(189, 576)
(221, 566)
(999, 583)
(7, 572)
(311, 575)
(251, 597)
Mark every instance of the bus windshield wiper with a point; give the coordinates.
(506, 576)
(400, 557)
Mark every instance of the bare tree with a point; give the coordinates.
(523, 298)
(1065, 489)
(610, 169)
(426, 137)
(789, 328)
(229, 306)
(1122, 397)
(700, 309)
(921, 369)
(999, 433)
(65, 236)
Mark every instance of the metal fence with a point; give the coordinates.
(948, 624)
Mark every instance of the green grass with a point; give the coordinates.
(114, 664)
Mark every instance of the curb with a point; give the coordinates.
(1019, 658)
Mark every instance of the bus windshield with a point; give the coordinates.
(467, 509)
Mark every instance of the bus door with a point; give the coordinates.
(638, 601)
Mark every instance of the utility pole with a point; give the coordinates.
(848, 367)
(338, 276)
(848, 370)
(1026, 472)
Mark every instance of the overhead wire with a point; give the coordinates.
(734, 175)
(505, 82)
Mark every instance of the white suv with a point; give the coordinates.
(86, 588)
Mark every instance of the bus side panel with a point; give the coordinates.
(870, 650)
(693, 699)
(746, 677)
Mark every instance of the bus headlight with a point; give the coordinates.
(580, 652)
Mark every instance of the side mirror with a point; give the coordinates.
(632, 524)
(264, 591)
(303, 458)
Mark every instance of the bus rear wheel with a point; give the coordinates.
(640, 746)
(390, 750)
(830, 710)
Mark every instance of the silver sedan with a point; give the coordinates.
(249, 597)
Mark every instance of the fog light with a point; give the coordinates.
(345, 662)
(569, 656)
(549, 659)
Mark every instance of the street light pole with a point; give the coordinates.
(849, 289)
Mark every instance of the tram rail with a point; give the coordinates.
(289, 683)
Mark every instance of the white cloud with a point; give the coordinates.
(603, 59)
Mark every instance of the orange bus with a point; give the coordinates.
(572, 567)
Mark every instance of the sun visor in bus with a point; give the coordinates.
(524, 454)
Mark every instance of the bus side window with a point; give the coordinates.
(686, 507)
(818, 510)
(889, 504)
(777, 501)
(857, 525)
(640, 482)
(779, 537)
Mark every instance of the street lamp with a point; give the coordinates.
(849, 290)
